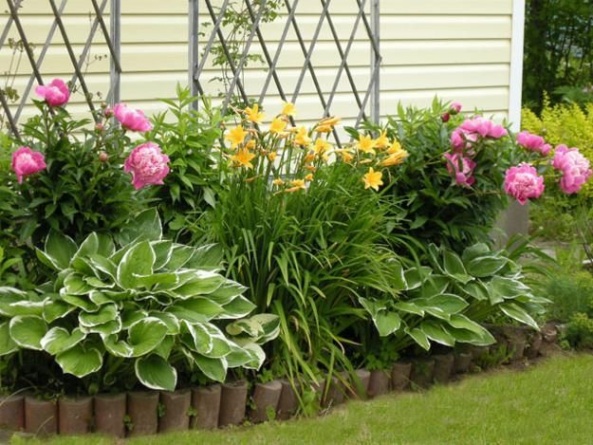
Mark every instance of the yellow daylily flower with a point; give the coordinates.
(346, 155)
(382, 141)
(309, 177)
(321, 147)
(395, 147)
(278, 125)
(302, 137)
(272, 155)
(373, 179)
(395, 158)
(278, 182)
(327, 124)
(236, 136)
(253, 114)
(243, 158)
(366, 144)
(296, 184)
(288, 109)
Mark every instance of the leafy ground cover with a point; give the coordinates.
(548, 403)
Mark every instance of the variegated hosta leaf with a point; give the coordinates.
(201, 340)
(131, 315)
(437, 332)
(58, 249)
(111, 327)
(260, 328)
(7, 344)
(202, 283)
(81, 302)
(55, 309)
(59, 339)
(116, 347)
(163, 280)
(239, 307)
(137, 261)
(516, 312)
(27, 331)
(23, 307)
(179, 256)
(246, 354)
(145, 335)
(196, 308)
(104, 265)
(104, 314)
(207, 257)
(155, 372)
(80, 361)
(221, 346)
(171, 321)
(75, 284)
(213, 368)
(227, 292)
(96, 244)
(419, 337)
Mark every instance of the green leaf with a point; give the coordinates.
(145, 226)
(7, 344)
(453, 266)
(81, 302)
(54, 309)
(145, 335)
(387, 323)
(409, 307)
(137, 261)
(59, 249)
(59, 339)
(239, 307)
(201, 340)
(213, 368)
(485, 266)
(156, 373)
(227, 292)
(104, 315)
(474, 251)
(477, 290)
(27, 331)
(116, 347)
(416, 276)
(436, 332)
(80, 361)
(420, 338)
(447, 303)
(518, 313)
(74, 284)
(111, 327)
(94, 244)
(203, 283)
(170, 320)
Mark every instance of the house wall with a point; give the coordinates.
(459, 50)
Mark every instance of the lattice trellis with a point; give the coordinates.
(36, 64)
(364, 12)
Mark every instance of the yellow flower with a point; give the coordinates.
(372, 179)
(382, 141)
(395, 147)
(346, 156)
(272, 155)
(288, 109)
(236, 136)
(321, 147)
(327, 124)
(296, 184)
(302, 137)
(250, 145)
(253, 114)
(366, 144)
(277, 126)
(243, 158)
(395, 158)
(309, 158)
(309, 177)
(278, 182)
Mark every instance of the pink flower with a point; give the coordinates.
(533, 142)
(454, 108)
(461, 167)
(147, 164)
(523, 183)
(26, 162)
(56, 93)
(130, 119)
(461, 140)
(483, 127)
(574, 166)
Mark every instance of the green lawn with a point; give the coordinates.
(550, 403)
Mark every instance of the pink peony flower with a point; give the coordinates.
(56, 93)
(533, 142)
(455, 108)
(130, 119)
(484, 127)
(523, 183)
(461, 167)
(147, 164)
(461, 140)
(26, 162)
(574, 166)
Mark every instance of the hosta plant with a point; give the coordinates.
(154, 308)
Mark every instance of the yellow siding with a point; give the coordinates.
(458, 50)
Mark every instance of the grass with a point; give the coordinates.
(546, 404)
